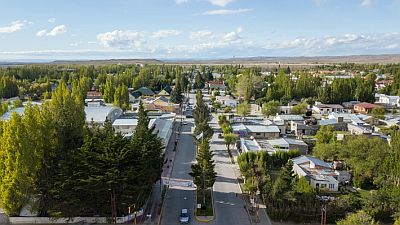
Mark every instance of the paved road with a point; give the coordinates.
(229, 208)
(178, 197)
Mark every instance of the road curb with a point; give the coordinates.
(166, 190)
(212, 203)
(240, 188)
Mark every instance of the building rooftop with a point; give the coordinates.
(7, 116)
(100, 114)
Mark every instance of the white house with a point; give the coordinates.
(389, 101)
(226, 100)
(99, 114)
(319, 174)
(325, 109)
(284, 121)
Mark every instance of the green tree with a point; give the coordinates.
(203, 172)
(121, 97)
(108, 93)
(303, 187)
(201, 115)
(300, 108)
(248, 84)
(270, 108)
(230, 139)
(284, 182)
(378, 113)
(358, 218)
(243, 109)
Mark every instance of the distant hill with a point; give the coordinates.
(381, 59)
(249, 61)
(109, 61)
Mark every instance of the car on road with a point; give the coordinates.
(185, 123)
(184, 217)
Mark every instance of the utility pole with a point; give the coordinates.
(323, 214)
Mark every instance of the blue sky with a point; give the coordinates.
(104, 29)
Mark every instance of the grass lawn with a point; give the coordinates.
(207, 209)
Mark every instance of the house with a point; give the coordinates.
(358, 130)
(143, 92)
(349, 105)
(272, 146)
(389, 101)
(227, 101)
(365, 107)
(217, 85)
(319, 174)
(98, 115)
(284, 121)
(285, 109)
(300, 129)
(325, 109)
(286, 144)
(337, 123)
(94, 94)
(162, 103)
(256, 130)
(125, 125)
(163, 93)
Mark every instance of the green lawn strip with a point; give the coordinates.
(207, 209)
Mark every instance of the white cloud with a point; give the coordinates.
(56, 31)
(366, 2)
(73, 44)
(41, 33)
(181, 1)
(234, 36)
(340, 45)
(122, 39)
(14, 26)
(51, 20)
(221, 3)
(226, 11)
(166, 33)
(201, 35)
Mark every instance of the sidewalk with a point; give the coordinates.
(262, 214)
(152, 209)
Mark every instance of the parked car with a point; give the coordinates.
(184, 217)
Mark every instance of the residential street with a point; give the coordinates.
(229, 206)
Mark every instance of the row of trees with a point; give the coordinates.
(51, 160)
(203, 171)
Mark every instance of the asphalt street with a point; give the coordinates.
(229, 207)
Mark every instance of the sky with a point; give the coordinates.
(196, 29)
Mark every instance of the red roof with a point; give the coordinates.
(216, 82)
(366, 105)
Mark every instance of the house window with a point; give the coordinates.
(323, 185)
(331, 186)
(258, 134)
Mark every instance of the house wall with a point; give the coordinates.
(124, 129)
(318, 184)
(264, 135)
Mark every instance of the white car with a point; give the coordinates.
(184, 217)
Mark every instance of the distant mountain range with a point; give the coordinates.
(381, 59)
